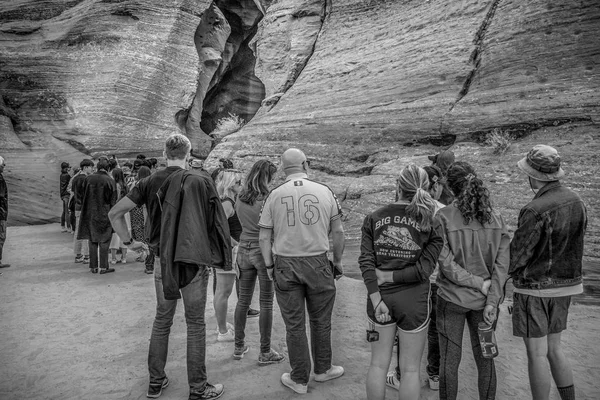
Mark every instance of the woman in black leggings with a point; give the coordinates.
(473, 269)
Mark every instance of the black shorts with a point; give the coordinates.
(536, 317)
(409, 308)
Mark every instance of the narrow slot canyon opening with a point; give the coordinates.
(239, 91)
(227, 84)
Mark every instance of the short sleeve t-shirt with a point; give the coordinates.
(144, 193)
(300, 212)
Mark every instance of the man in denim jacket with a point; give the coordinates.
(546, 264)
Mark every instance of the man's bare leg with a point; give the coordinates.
(537, 366)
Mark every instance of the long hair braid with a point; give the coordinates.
(472, 197)
(413, 182)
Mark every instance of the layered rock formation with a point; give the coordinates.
(362, 86)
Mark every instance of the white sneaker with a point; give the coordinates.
(123, 261)
(228, 336)
(392, 381)
(228, 325)
(434, 382)
(334, 372)
(299, 388)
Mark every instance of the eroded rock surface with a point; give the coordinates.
(363, 87)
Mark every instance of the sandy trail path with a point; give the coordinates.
(68, 334)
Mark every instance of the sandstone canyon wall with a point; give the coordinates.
(363, 86)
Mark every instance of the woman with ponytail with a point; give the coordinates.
(399, 250)
(473, 269)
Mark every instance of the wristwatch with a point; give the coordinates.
(129, 242)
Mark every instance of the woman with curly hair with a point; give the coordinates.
(251, 264)
(473, 269)
(399, 249)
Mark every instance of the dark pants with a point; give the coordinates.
(64, 217)
(433, 342)
(102, 248)
(301, 281)
(72, 219)
(251, 265)
(149, 262)
(2, 236)
(194, 303)
(450, 325)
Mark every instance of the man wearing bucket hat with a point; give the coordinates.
(546, 264)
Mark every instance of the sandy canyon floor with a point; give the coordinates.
(69, 334)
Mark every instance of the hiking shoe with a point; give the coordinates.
(334, 372)
(392, 380)
(434, 382)
(155, 389)
(4, 265)
(228, 336)
(238, 352)
(300, 388)
(210, 392)
(252, 313)
(79, 258)
(272, 357)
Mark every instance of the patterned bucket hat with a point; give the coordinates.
(542, 163)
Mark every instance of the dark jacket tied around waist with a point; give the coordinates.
(194, 230)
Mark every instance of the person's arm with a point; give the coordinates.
(116, 215)
(367, 260)
(499, 276)
(454, 271)
(338, 239)
(264, 240)
(525, 240)
(423, 268)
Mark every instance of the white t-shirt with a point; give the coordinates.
(300, 212)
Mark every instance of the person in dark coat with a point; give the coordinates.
(65, 178)
(100, 194)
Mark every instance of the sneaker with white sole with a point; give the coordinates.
(300, 388)
(79, 258)
(238, 352)
(392, 380)
(211, 392)
(434, 382)
(334, 372)
(228, 336)
(155, 389)
(272, 357)
(228, 325)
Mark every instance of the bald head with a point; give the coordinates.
(293, 161)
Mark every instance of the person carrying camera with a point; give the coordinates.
(399, 249)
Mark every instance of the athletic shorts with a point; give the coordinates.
(536, 317)
(409, 308)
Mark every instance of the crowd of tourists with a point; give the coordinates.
(87, 193)
(436, 258)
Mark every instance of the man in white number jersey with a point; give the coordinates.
(295, 223)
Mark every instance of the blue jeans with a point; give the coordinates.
(251, 264)
(194, 302)
(300, 281)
